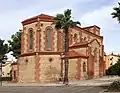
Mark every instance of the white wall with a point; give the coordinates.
(6, 70)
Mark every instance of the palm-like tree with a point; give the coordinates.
(64, 21)
(116, 14)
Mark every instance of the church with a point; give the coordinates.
(42, 48)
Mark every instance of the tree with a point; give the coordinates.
(3, 50)
(15, 44)
(114, 69)
(64, 21)
(116, 14)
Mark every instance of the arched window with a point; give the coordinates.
(48, 38)
(84, 39)
(70, 39)
(75, 37)
(84, 67)
(31, 38)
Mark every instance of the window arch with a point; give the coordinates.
(48, 38)
(30, 38)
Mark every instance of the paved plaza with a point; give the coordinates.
(50, 89)
(82, 86)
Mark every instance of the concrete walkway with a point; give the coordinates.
(104, 81)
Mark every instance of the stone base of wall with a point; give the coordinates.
(49, 69)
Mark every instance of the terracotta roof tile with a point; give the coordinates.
(41, 16)
(74, 54)
(91, 27)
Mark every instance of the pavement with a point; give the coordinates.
(103, 81)
(50, 89)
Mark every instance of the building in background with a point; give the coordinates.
(111, 59)
(6, 69)
(42, 51)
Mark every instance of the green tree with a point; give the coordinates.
(114, 69)
(3, 50)
(15, 44)
(116, 13)
(64, 21)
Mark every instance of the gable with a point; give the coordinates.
(95, 42)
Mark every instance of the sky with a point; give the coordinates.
(88, 12)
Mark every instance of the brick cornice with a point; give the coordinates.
(42, 17)
(85, 57)
(40, 53)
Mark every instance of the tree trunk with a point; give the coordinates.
(66, 60)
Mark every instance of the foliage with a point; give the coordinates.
(114, 87)
(15, 44)
(64, 21)
(116, 14)
(3, 50)
(6, 79)
(114, 69)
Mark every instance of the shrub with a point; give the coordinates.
(114, 87)
(114, 69)
(6, 78)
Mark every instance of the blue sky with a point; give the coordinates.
(88, 12)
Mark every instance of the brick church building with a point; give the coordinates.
(42, 45)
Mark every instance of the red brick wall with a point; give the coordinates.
(78, 68)
(37, 68)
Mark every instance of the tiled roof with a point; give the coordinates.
(79, 44)
(83, 44)
(91, 27)
(41, 16)
(74, 54)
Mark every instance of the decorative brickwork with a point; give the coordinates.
(38, 40)
(78, 68)
(37, 68)
(46, 63)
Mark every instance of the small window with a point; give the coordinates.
(84, 38)
(111, 58)
(75, 37)
(84, 67)
(111, 64)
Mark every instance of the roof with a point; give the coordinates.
(83, 44)
(82, 29)
(91, 27)
(48, 18)
(42, 17)
(74, 54)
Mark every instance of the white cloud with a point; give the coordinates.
(15, 11)
(110, 28)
